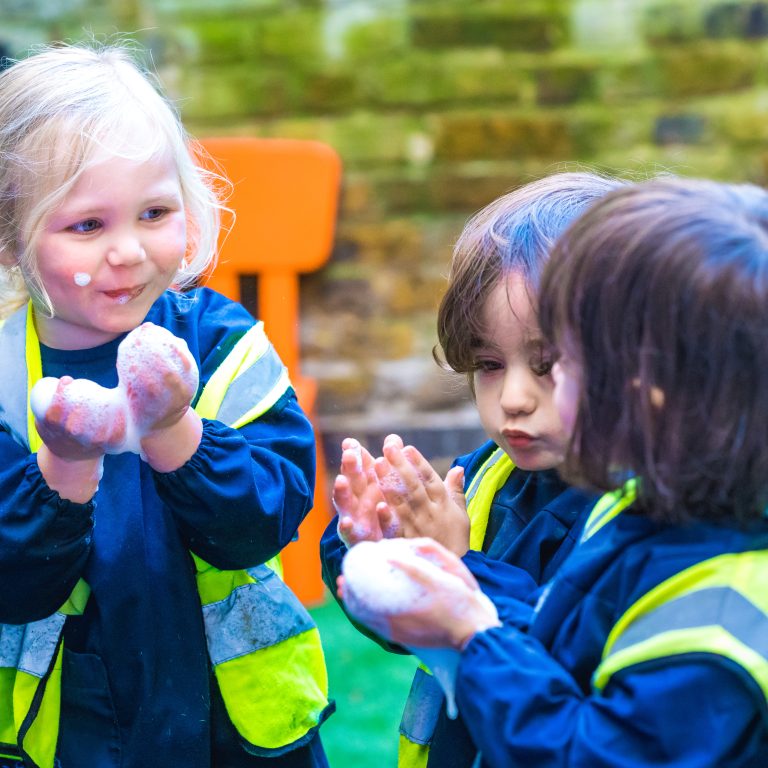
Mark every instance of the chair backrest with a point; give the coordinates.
(285, 198)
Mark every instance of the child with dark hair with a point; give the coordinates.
(504, 501)
(649, 645)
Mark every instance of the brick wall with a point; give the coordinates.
(436, 107)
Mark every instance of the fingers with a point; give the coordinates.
(454, 486)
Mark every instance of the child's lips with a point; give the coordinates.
(122, 295)
(518, 439)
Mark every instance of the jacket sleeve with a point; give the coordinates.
(44, 540)
(523, 708)
(332, 551)
(240, 498)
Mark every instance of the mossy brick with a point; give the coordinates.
(477, 28)
(409, 293)
(294, 38)
(482, 135)
(345, 394)
(377, 39)
(392, 339)
(235, 91)
(736, 19)
(671, 21)
(223, 39)
(565, 83)
(679, 128)
(329, 91)
(707, 67)
(468, 192)
(385, 242)
(625, 81)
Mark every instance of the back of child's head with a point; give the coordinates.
(659, 296)
(64, 108)
(514, 233)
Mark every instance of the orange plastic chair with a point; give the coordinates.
(285, 198)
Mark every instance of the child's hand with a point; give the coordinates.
(159, 376)
(356, 496)
(452, 610)
(78, 419)
(422, 502)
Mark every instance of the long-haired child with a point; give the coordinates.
(521, 512)
(119, 516)
(649, 645)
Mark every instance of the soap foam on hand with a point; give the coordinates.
(374, 589)
(136, 363)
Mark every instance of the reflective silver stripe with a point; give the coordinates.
(714, 606)
(30, 647)
(253, 388)
(422, 708)
(253, 616)
(13, 376)
(477, 480)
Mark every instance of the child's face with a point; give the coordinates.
(513, 385)
(109, 250)
(567, 378)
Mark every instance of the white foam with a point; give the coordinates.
(82, 279)
(136, 368)
(374, 590)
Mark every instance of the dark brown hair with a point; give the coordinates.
(659, 293)
(514, 233)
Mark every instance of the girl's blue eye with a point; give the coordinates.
(86, 226)
(153, 213)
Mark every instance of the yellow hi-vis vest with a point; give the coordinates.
(717, 606)
(425, 699)
(271, 673)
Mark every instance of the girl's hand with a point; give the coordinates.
(424, 504)
(356, 496)
(159, 376)
(82, 420)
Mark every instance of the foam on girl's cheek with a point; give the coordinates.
(82, 279)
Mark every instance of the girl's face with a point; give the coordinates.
(513, 382)
(109, 250)
(567, 377)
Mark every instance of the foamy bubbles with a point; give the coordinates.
(375, 589)
(144, 358)
(82, 279)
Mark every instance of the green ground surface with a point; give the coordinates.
(370, 687)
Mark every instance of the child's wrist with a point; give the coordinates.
(169, 448)
(76, 480)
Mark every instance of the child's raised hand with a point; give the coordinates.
(159, 376)
(423, 504)
(356, 496)
(77, 419)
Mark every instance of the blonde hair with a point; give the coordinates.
(60, 109)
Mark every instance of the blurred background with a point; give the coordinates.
(435, 107)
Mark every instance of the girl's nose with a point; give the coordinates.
(126, 251)
(518, 395)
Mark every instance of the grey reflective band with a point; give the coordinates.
(253, 387)
(13, 377)
(422, 708)
(254, 616)
(713, 606)
(30, 647)
(474, 486)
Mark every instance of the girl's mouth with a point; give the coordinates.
(124, 295)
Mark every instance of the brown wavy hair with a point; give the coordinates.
(659, 293)
(513, 233)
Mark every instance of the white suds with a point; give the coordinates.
(82, 279)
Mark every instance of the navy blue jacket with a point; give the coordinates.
(534, 522)
(135, 683)
(526, 697)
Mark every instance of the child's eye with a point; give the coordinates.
(85, 226)
(151, 214)
(542, 361)
(485, 365)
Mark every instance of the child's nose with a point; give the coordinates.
(125, 250)
(518, 396)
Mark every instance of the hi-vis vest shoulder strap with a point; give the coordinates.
(264, 646)
(718, 606)
(425, 699)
